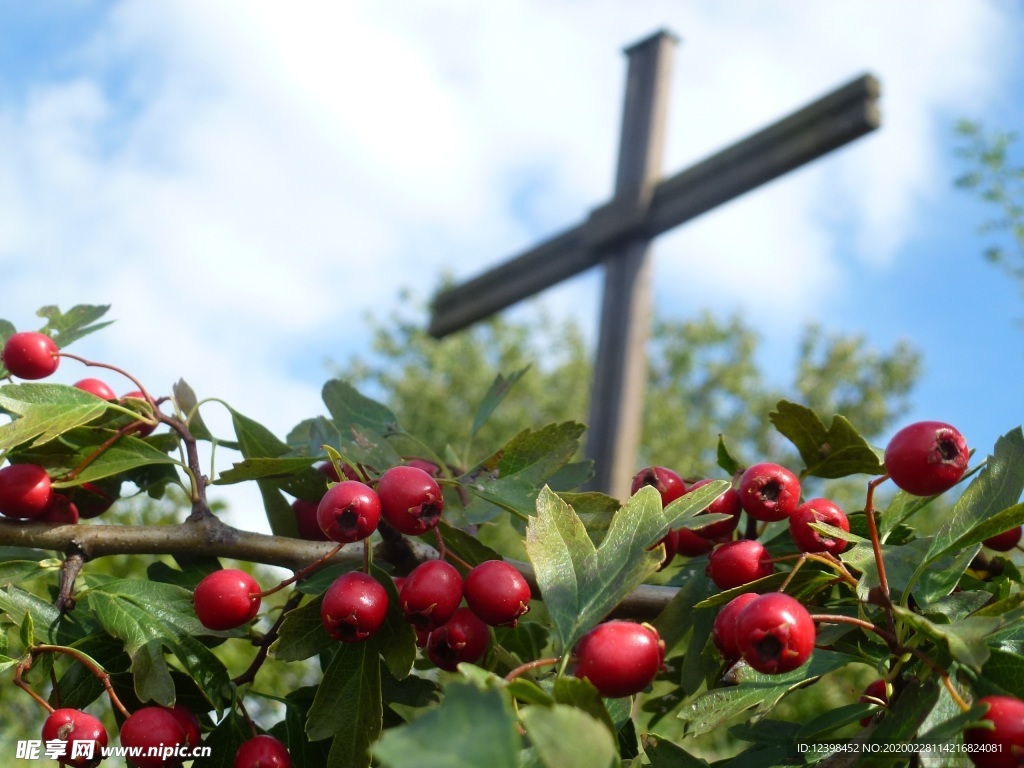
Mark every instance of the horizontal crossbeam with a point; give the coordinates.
(836, 119)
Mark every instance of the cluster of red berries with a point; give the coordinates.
(170, 732)
(772, 632)
(26, 493)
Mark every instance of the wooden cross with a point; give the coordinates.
(618, 234)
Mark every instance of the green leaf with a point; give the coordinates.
(126, 454)
(566, 737)
(263, 468)
(47, 411)
(49, 624)
(830, 721)
(149, 616)
(189, 405)
(966, 640)
(676, 618)
(580, 584)
(27, 633)
(79, 321)
(996, 488)
(755, 691)
(254, 440)
(582, 695)
(472, 728)
(302, 634)
(1006, 670)
(835, 452)
(348, 698)
(664, 754)
(396, 639)
(464, 545)
(493, 398)
(906, 714)
(726, 460)
(349, 407)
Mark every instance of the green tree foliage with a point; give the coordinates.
(705, 379)
(995, 172)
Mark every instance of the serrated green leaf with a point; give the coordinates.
(492, 399)
(472, 727)
(46, 412)
(127, 454)
(566, 737)
(348, 703)
(835, 452)
(966, 640)
(581, 583)
(726, 460)
(224, 741)
(906, 714)
(1006, 670)
(149, 616)
(266, 468)
(49, 625)
(676, 618)
(581, 694)
(349, 407)
(302, 634)
(79, 321)
(756, 694)
(996, 489)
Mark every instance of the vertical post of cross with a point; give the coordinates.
(620, 368)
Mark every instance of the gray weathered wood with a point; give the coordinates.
(620, 365)
(618, 234)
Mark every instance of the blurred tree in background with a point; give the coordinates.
(995, 172)
(705, 380)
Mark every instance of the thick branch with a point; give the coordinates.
(210, 536)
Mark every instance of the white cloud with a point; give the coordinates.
(244, 180)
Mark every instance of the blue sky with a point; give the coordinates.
(244, 181)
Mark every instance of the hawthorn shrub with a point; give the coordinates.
(565, 628)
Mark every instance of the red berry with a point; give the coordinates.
(726, 504)
(736, 563)
(189, 723)
(96, 387)
(410, 499)
(153, 727)
(723, 631)
(688, 544)
(619, 658)
(817, 511)
(1005, 541)
(348, 512)
(70, 725)
(1003, 746)
(667, 482)
(431, 594)
(30, 355)
(926, 458)
(873, 694)
(497, 593)
(427, 466)
(262, 752)
(227, 599)
(306, 521)
(25, 491)
(61, 511)
(464, 639)
(354, 607)
(775, 633)
(769, 492)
